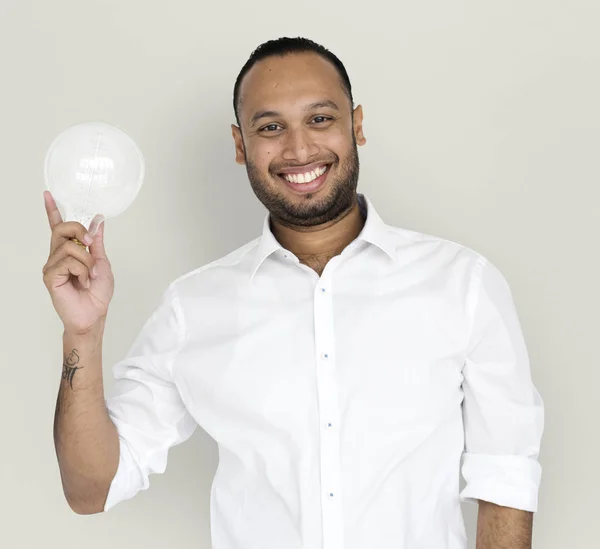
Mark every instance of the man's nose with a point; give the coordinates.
(298, 146)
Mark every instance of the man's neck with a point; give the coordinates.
(315, 246)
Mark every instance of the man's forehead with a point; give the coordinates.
(291, 65)
(297, 74)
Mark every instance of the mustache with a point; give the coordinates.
(279, 167)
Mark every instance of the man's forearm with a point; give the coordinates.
(85, 438)
(503, 527)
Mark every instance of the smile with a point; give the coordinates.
(305, 177)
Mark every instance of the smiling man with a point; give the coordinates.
(343, 366)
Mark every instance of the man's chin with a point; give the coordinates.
(308, 211)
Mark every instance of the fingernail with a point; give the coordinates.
(88, 239)
(96, 222)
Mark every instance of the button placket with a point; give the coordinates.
(329, 413)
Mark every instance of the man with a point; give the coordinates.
(343, 366)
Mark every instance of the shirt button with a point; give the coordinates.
(330, 495)
(322, 290)
(329, 425)
(324, 356)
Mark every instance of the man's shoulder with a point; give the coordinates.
(404, 237)
(231, 264)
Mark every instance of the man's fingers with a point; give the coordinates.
(70, 249)
(59, 274)
(54, 217)
(67, 231)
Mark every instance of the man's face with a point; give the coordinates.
(295, 118)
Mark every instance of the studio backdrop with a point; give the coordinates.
(482, 122)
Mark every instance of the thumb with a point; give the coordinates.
(97, 231)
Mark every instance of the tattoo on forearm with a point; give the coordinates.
(70, 366)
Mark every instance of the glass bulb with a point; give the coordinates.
(93, 168)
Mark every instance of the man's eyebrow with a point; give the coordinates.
(321, 104)
(262, 114)
(318, 105)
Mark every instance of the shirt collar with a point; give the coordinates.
(375, 231)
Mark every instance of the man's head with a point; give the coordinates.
(294, 109)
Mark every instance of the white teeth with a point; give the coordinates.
(305, 177)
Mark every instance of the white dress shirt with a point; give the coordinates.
(341, 404)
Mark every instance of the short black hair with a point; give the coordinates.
(284, 46)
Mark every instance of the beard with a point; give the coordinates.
(340, 197)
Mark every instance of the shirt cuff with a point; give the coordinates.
(128, 480)
(507, 480)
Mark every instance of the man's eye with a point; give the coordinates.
(270, 128)
(319, 119)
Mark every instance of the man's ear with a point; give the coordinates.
(240, 155)
(358, 129)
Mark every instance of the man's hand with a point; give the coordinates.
(503, 527)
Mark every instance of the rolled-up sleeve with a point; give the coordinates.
(503, 412)
(145, 405)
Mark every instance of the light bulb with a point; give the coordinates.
(93, 168)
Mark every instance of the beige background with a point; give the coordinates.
(482, 120)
